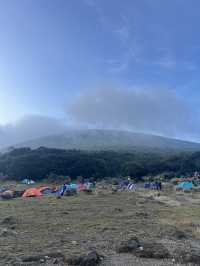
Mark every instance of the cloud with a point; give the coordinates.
(157, 111)
(29, 127)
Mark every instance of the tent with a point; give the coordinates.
(185, 185)
(28, 182)
(36, 192)
(131, 186)
(80, 187)
(3, 189)
(45, 190)
(32, 192)
(73, 186)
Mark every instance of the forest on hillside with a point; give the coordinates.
(39, 163)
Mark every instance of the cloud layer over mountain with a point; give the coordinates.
(157, 111)
(154, 111)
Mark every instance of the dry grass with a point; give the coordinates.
(73, 225)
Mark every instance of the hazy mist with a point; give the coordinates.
(29, 127)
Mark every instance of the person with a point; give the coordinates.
(65, 187)
(160, 185)
(147, 185)
(154, 185)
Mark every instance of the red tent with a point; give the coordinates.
(32, 192)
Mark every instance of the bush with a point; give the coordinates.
(53, 178)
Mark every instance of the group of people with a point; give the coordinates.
(156, 185)
(130, 185)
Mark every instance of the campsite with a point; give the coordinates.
(101, 227)
(99, 133)
(91, 219)
(87, 208)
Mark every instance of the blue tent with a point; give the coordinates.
(73, 186)
(185, 185)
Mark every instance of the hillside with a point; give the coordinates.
(42, 162)
(110, 140)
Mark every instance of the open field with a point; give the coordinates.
(48, 231)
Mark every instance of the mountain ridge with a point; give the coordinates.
(97, 139)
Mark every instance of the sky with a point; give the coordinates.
(131, 65)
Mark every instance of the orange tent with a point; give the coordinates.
(32, 192)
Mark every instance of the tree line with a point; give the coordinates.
(39, 163)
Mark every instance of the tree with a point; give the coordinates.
(133, 169)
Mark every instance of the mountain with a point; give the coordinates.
(110, 140)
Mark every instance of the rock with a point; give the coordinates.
(86, 191)
(179, 234)
(65, 213)
(55, 256)
(118, 210)
(92, 259)
(144, 249)
(142, 214)
(129, 245)
(152, 250)
(33, 258)
(7, 195)
(10, 220)
(188, 256)
(173, 232)
(6, 233)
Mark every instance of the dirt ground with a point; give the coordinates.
(47, 230)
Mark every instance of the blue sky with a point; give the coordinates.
(51, 51)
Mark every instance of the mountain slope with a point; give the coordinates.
(110, 140)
